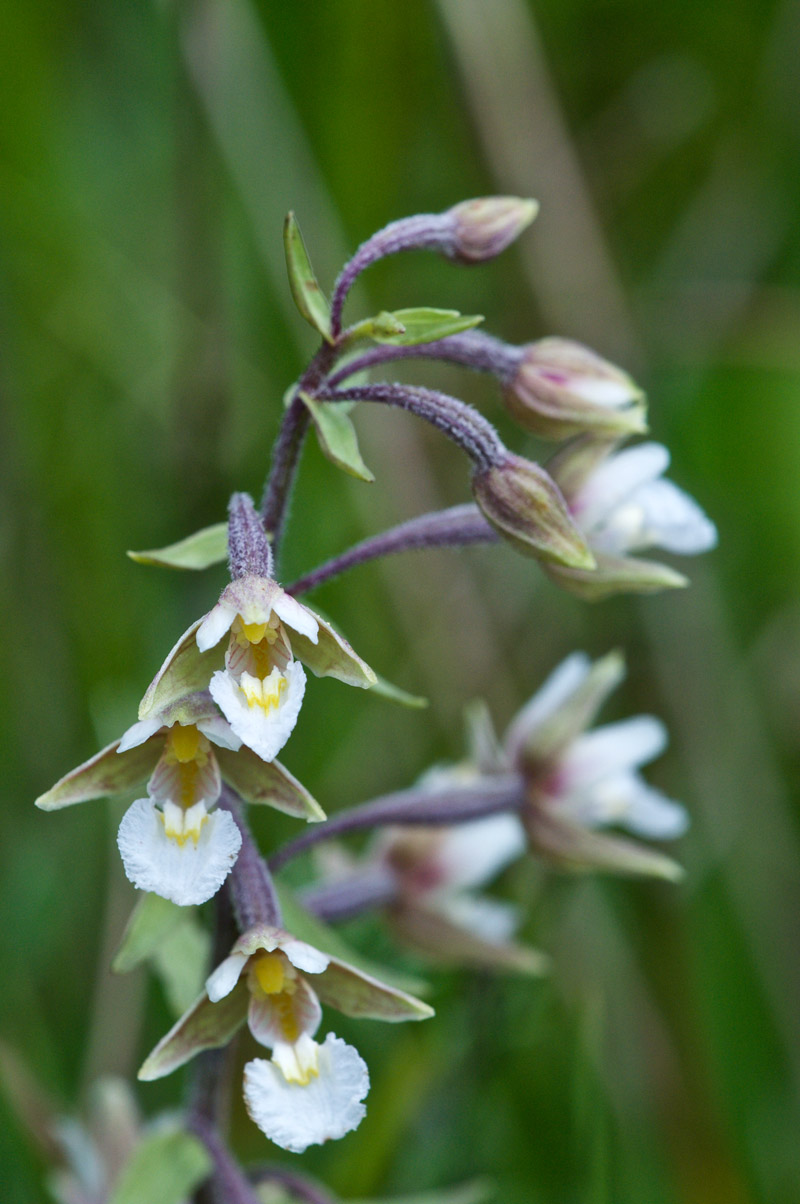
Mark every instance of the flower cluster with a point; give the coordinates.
(228, 696)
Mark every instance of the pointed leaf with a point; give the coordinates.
(206, 547)
(337, 436)
(267, 782)
(424, 325)
(151, 921)
(165, 1166)
(186, 670)
(383, 326)
(616, 575)
(206, 1025)
(106, 773)
(332, 656)
(308, 296)
(181, 961)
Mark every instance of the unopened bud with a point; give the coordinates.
(487, 225)
(526, 508)
(249, 553)
(561, 388)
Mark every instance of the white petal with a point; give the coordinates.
(565, 679)
(471, 854)
(611, 749)
(305, 957)
(222, 980)
(296, 1116)
(296, 616)
(615, 480)
(265, 732)
(138, 733)
(219, 732)
(671, 519)
(186, 874)
(602, 391)
(217, 622)
(626, 801)
(489, 919)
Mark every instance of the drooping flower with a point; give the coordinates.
(623, 505)
(307, 1093)
(175, 842)
(255, 678)
(578, 781)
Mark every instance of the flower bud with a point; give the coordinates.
(561, 389)
(487, 225)
(526, 508)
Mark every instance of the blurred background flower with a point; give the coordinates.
(148, 155)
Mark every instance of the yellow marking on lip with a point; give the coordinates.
(184, 742)
(263, 693)
(269, 971)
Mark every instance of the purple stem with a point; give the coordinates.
(229, 1182)
(364, 890)
(426, 231)
(299, 1186)
(441, 528)
(460, 422)
(252, 890)
(502, 792)
(289, 444)
(473, 349)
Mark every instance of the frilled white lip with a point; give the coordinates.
(185, 873)
(295, 1115)
(265, 732)
(255, 598)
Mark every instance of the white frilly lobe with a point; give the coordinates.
(265, 732)
(186, 874)
(295, 1115)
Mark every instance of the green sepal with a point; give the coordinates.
(199, 551)
(186, 670)
(307, 927)
(573, 847)
(385, 689)
(449, 944)
(421, 325)
(308, 296)
(617, 575)
(332, 656)
(356, 993)
(166, 1166)
(206, 1025)
(267, 782)
(337, 436)
(106, 773)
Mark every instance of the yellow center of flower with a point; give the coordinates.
(269, 971)
(184, 742)
(184, 824)
(265, 692)
(190, 750)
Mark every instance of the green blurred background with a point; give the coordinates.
(148, 154)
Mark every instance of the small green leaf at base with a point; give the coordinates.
(166, 1167)
(308, 296)
(420, 325)
(199, 551)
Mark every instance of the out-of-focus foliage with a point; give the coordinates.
(148, 155)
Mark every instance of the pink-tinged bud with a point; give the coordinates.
(561, 389)
(526, 508)
(487, 225)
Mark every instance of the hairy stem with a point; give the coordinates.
(255, 900)
(454, 527)
(460, 422)
(504, 792)
(364, 890)
(472, 349)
